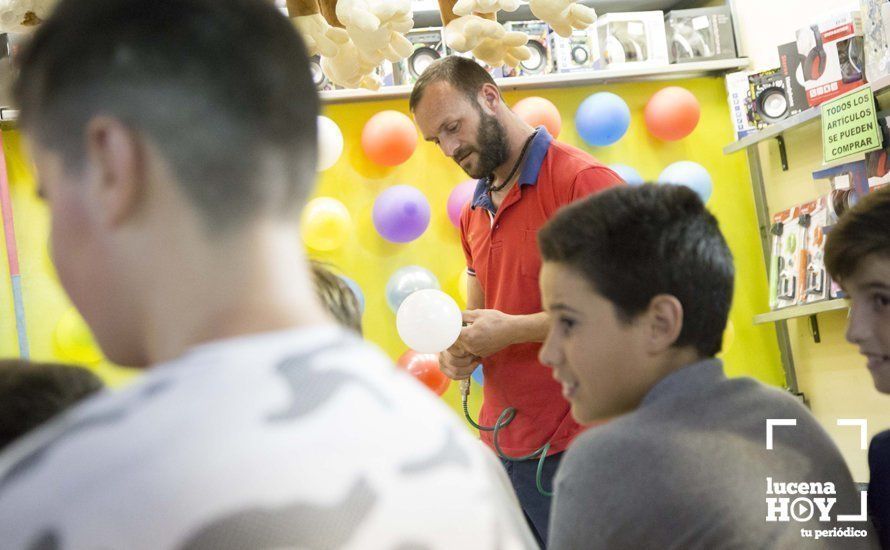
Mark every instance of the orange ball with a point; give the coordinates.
(537, 111)
(389, 138)
(425, 367)
(672, 113)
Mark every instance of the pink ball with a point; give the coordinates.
(460, 195)
(672, 113)
(537, 111)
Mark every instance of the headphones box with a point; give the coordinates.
(700, 34)
(579, 52)
(738, 93)
(833, 56)
(791, 65)
(429, 45)
(541, 60)
(632, 38)
(322, 84)
(768, 96)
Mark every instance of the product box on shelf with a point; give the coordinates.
(578, 52)
(738, 97)
(787, 261)
(321, 81)
(876, 26)
(700, 34)
(833, 56)
(847, 182)
(768, 97)
(877, 163)
(632, 38)
(791, 66)
(429, 45)
(541, 60)
(814, 218)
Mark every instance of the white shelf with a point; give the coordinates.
(559, 80)
(800, 311)
(553, 80)
(798, 120)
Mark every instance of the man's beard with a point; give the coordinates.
(491, 147)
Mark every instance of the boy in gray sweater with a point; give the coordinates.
(638, 284)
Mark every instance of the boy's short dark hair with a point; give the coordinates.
(463, 74)
(633, 243)
(862, 231)
(336, 296)
(222, 88)
(32, 393)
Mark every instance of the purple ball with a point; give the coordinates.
(401, 214)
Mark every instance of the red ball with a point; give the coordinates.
(425, 367)
(537, 111)
(672, 113)
(389, 138)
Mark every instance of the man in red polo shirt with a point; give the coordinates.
(524, 176)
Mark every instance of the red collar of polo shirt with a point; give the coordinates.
(531, 167)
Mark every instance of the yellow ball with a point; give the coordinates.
(73, 340)
(325, 224)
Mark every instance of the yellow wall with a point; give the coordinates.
(370, 260)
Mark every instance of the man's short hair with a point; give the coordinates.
(633, 243)
(32, 393)
(336, 296)
(862, 231)
(465, 75)
(222, 88)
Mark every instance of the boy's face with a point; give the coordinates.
(869, 324)
(599, 359)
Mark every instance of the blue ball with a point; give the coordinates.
(692, 175)
(406, 281)
(628, 174)
(478, 375)
(357, 290)
(602, 119)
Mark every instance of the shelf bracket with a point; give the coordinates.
(783, 154)
(814, 328)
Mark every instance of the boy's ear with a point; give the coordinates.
(118, 155)
(665, 322)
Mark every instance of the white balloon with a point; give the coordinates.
(330, 143)
(429, 321)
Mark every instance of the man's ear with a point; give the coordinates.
(490, 98)
(118, 156)
(664, 319)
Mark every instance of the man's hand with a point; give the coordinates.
(456, 363)
(488, 331)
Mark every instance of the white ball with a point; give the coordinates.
(330, 143)
(429, 321)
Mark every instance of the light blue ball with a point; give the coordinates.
(628, 174)
(407, 280)
(692, 175)
(478, 375)
(357, 290)
(602, 119)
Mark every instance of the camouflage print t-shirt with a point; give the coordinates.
(297, 439)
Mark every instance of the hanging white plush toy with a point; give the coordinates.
(349, 68)
(320, 37)
(482, 35)
(563, 16)
(378, 27)
(23, 15)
